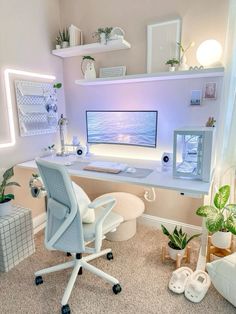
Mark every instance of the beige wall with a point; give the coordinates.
(28, 30)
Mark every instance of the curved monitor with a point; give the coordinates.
(137, 128)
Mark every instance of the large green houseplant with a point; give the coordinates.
(220, 217)
(6, 198)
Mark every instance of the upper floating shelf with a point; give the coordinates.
(161, 76)
(94, 48)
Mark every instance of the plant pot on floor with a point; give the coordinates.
(173, 253)
(221, 239)
(5, 207)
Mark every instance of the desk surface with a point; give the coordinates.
(157, 178)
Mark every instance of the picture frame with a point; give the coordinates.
(162, 38)
(210, 91)
(196, 97)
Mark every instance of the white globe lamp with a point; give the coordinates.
(209, 53)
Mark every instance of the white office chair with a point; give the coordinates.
(66, 232)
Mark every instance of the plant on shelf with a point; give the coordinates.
(57, 85)
(183, 60)
(6, 198)
(220, 218)
(103, 34)
(58, 42)
(178, 240)
(65, 38)
(172, 63)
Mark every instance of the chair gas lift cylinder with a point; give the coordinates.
(193, 153)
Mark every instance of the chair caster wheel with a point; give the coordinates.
(116, 288)
(38, 280)
(110, 256)
(65, 309)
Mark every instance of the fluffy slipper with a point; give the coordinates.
(179, 279)
(197, 286)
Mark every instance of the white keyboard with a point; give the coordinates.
(109, 165)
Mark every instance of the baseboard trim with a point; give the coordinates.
(156, 222)
(39, 222)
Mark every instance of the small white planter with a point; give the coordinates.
(171, 69)
(173, 253)
(58, 46)
(65, 44)
(103, 40)
(221, 239)
(5, 208)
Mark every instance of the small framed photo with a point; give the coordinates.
(196, 97)
(210, 90)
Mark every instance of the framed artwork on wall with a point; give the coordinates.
(162, 38)
(209, 91)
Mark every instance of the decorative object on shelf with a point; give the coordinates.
(161, 44)
(196, 96)
(37, 107)
(103, 34)
(62, 122)
(209, 53)
(117, 33)
(177, 244)
(172, 63)
(211, 122)
(196, 68)
(88, 68)
(210, 91)
(36, 186)
(5, 199)
(58, 42)
(113, 71)
(183, 66)
(220, 218)
(75, 36)
(192, 153)
(65, 38)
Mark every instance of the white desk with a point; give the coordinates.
(158, 178)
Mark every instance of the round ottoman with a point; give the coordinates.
(130, 207)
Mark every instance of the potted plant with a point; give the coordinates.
(5, 199)
(172, 63)
(178, 241)
(103, 34)
(65, 38)
(220, 218)
(58, 42)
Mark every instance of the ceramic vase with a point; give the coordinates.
(183, 66)
(221, 239)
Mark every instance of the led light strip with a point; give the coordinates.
(7, 73)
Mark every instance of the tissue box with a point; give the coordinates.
(16, 237)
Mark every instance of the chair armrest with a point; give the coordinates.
(107, 202)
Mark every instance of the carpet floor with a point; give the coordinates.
(137, 264)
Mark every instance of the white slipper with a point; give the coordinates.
(179, 279)
(197, 286)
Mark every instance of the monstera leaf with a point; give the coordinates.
(222, 197)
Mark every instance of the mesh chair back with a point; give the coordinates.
(64, 225)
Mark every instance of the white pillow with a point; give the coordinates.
(223, 276)
(87, 214)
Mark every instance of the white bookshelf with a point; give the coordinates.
(94, 48)
(161, 76)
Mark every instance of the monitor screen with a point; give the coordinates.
(122, 127)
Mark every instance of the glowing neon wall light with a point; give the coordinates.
(7, 74)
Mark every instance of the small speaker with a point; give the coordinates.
(167, 159)
(81, 151)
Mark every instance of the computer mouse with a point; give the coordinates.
(130, 170)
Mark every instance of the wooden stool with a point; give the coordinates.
(185, 258)
(211, 249)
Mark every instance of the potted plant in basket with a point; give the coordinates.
(220, 218)
(172, 63)
(6, 198)
(103, 34)
(178, 241)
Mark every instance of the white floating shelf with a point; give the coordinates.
(94, 48)
(161, 76)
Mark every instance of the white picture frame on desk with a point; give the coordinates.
(162, 38)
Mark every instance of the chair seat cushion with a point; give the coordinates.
(129, 206)
(111, 222)
(223, 276)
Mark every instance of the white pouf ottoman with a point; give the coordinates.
(130, 207)
(223, 276)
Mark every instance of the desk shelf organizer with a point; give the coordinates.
(37, 107)
(16, 237)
